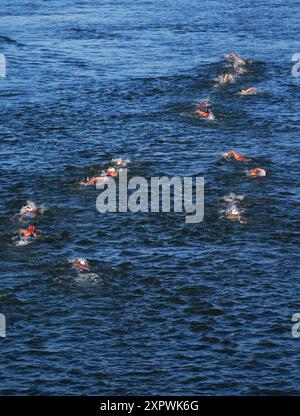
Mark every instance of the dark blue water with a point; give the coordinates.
(175, 308)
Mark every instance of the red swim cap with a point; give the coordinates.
(31, 228)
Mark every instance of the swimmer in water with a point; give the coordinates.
(225, 79)
(30, 232)
(237, 59)
(235, 214)
(257, 172)
(203, 110)
(81, 264)
(248, 91)
(29, 210)
(233, 155)
(231, 202)
(111, 172)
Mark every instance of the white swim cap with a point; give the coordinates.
(26, 208)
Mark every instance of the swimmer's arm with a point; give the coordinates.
(234, 153)
(23, 231)
(93, 180)
(231, 152)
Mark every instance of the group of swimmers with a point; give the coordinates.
(203, 109)
(233, 155)
(237, 64)
(29, 212)
(232, 201)
(116, 165)
(25, 236)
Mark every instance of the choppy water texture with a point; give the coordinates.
(168, 308)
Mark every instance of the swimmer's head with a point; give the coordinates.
(81, 263)
(111, 171)
(31, 229)
(204, 104)
(27, 208)
(261, 172)
(118, 162)
(257, 172)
